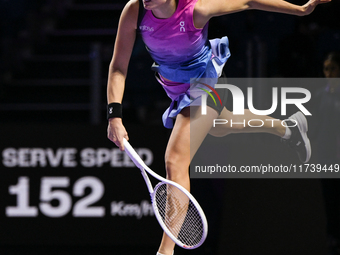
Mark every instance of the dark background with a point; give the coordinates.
(53, 70)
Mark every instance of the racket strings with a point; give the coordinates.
(179, 214)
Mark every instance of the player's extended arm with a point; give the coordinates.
(206, 9)
(285, 7)
(125, 39)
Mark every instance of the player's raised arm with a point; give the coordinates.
(212, 8)
(125, 39)
(285, 7)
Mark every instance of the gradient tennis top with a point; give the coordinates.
(181, 52)
(175, 44)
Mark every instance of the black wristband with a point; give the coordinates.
(114, 110)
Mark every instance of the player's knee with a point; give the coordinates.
(219, 132)
(237, 124)
(176, 166)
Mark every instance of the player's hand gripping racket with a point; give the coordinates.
(176, 210)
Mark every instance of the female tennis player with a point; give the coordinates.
(175, 33)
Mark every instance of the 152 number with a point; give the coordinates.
(50, 189)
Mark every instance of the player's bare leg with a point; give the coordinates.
(179, 152)
(239, 124)
(293, 133)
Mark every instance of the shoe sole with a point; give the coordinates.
(303, 128)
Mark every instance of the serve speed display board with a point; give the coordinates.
(68, 184)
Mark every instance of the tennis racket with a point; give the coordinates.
(176, 210)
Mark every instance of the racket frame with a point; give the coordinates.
(144, 168)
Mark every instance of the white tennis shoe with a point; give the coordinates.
(299, 140)
(163, 254)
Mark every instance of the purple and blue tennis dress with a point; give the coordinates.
(181, 52)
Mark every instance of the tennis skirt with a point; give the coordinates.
(187, 94)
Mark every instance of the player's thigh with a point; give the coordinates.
(222, 129)
(178, 148)
(190, 129)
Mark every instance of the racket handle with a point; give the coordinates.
(133, 155)
(139, 163)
